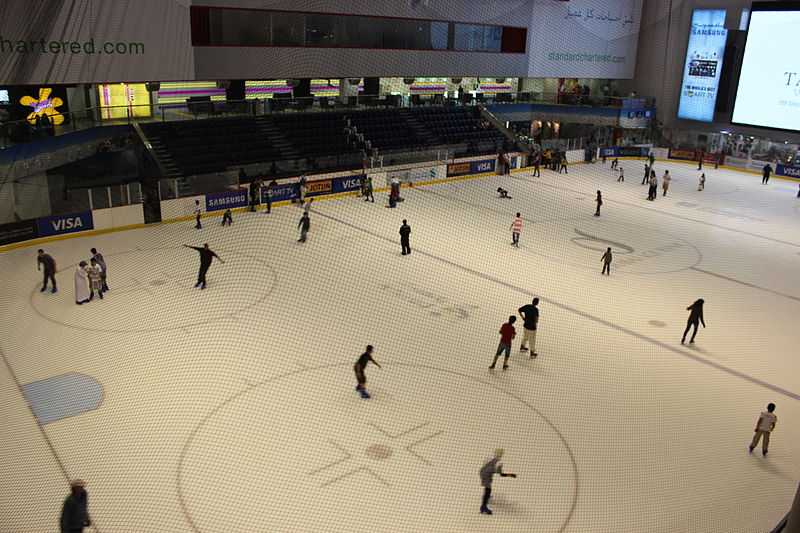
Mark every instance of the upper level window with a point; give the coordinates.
(215, 26)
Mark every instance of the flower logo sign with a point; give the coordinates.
(44, 106)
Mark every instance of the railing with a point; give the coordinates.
(12, 132)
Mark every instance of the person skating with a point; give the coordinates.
(702, 183)
(358, 368)
(606, 260)
(516, 229)
(764, 426)
(97, 256)
(255, 193)
(700, 156)
(46, 260)
(536, 164)
(614, 163)
(81, 277)
(206, 257)
(197, 212)
(368, 190)
(621, 176)
(227, 218)
(405, 238)
(507, 334)
(530, 316)
(304, 225)
(599, 202)
(652, 192)
(765, 173)
(695, 318)
(269, 193)
(665, 181)
(487, 472)
(75, 510)
(798, 190)
(95, 274)
(503, 193)
(646, 176)
(652, 158)
(307, 206)
(563, 164)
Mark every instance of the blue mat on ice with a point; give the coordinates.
(63, 396)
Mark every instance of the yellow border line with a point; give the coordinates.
(334, 196)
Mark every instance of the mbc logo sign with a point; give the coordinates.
(60, 224)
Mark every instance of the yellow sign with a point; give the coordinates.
(44, 106)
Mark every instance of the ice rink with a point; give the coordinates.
(233, 410)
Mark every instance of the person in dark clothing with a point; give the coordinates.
(695, 318)
(304, 225)
(503, 193)
(507, 334)
(97, 256)
(405, 238)
(487, 473)
(652, 159)
(269, 193)
(536, 164)
(614, 163)
(599, 202)
(606, 259)
(368, 190)
(255, 190)
(765, 173)
(646, 174)
(227, 218)
(358, 368)
(798, 190)
(563, 164)
(530, 316)
(49, 264)
(75, 511)
(206, 257)
(700, 156)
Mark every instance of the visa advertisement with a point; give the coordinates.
(703, 65)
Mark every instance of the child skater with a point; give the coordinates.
(227, 218)
(503, 193)
(361, 378)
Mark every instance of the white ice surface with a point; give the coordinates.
(233, 410)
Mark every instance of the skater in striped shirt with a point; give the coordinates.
(516, 229)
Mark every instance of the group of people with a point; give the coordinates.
(90, 277)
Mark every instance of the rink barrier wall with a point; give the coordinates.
(182, 209)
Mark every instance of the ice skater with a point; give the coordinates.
(665, 181)
(75, 510)
(606, 260)
(268, 194)
(97, 256)
(599, 202)
(646, 173)
(46, 260)
(695, 318)
(368, 190)
(82, 291)
(358, 368)
(563, 165)
(307, 206)
(798, 190)
(487, 472)
(614, 163)
(652, 159)
(537, 162)
(701, 186)
(507, 334)
(304, 225)
(206, 257)
(95, 273)
(197, 212)
(764, 426)
(227, 217)
(621, 176)
(765, 173)
(405, 238)
(503, 193)
(652, 191)
(530, 316)
(516, 229)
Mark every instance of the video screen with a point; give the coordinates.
(768, 93)
(4, 99)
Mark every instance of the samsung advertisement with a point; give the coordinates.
(769, 83)
(703, 65)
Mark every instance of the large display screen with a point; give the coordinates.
(769, 84)
(703, 65)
